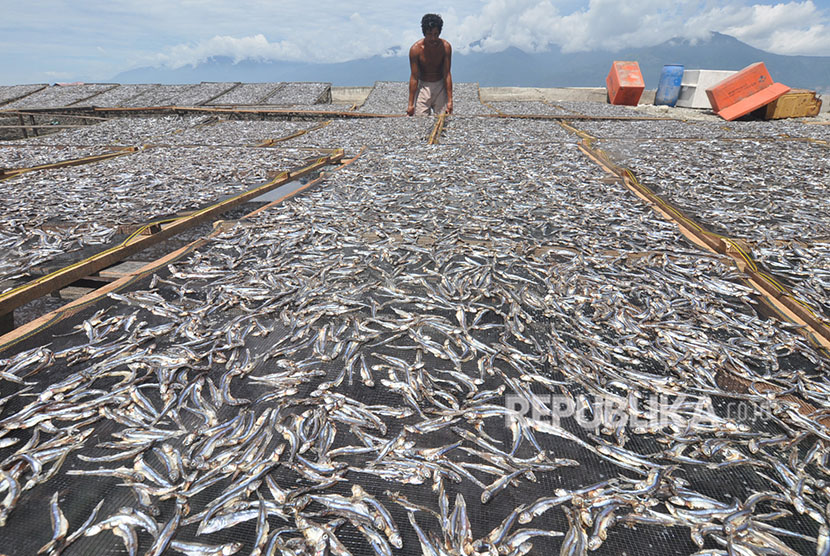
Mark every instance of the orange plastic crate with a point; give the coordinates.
(625, 83)
(747, 90)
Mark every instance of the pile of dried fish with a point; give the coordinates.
(376, 134)
(778, 128)
(769, 193)
(390, 97)
(19, 155)
(52, 212)
(119, 96)
(202, 93)
(523, 108)
(128, 132)
(374, 367)
(58, 96)
(23, 247)
(386, 97)
(694, 128)
(466, 100)
(461, 131)
(250, 133)
(651, 130)
(300, 93)
(588, 108)
(161, 95)
(820, 131)
(247, 93)
(9, 93)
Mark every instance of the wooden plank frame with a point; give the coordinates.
(765, 284)
(57, 280)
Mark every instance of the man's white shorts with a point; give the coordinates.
(431, 94)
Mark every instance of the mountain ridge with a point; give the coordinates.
(510, 67)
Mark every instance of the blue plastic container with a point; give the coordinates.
(668, 90)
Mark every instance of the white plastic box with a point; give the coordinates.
(694, 85)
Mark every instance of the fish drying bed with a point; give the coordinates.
(367, 367)
(766, 191)
(191, 165)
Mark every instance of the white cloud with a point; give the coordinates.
(256, 47)
(815, 40)
(792, 28)
(759, 21)
(535, 25)
(335, 38)
(797, 27)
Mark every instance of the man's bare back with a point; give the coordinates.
(430, 60)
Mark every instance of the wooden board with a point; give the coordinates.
(74, 292)
(123, 269)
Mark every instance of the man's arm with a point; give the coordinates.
(413, 80)
(448, 74)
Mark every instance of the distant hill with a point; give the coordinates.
(511, 67)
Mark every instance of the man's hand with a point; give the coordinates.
(449, 107)
(410, 110)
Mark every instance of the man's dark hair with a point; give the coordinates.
(431, 21)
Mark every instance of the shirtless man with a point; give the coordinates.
(430, 81)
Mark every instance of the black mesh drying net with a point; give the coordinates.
(342, 385)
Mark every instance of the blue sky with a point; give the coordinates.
(48, 41)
